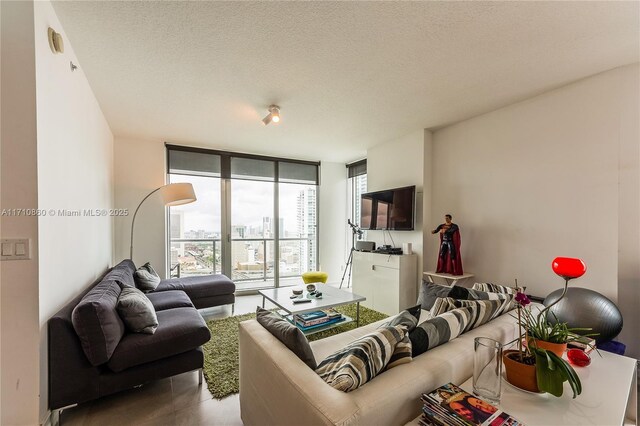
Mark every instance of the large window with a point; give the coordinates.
(255, 219)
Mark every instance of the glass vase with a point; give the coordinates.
(487, 369)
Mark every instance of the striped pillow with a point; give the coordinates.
(430, 292)
(402, 351)
(448, 326)
(353, 366)
(446, 304)
(495, 288)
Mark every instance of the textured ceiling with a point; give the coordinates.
(347, 75)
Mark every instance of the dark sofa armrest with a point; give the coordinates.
(72, 379)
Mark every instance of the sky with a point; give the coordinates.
(250, 202)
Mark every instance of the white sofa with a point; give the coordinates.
(277, 388)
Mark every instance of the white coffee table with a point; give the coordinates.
(331, 297)
(609, 397)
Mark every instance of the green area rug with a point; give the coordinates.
(221, 352)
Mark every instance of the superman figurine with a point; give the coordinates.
(449, 260)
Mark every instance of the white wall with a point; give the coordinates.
(140, 167)
(556, 175)
(19, 334)
(395, 164)
(333, 220)
(56, 154)
(75, 172)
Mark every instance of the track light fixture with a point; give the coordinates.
(274, 115)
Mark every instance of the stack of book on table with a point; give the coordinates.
(317, 319)
(449, 405)
(586, 343)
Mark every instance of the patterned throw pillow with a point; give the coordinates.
(495, 288)
(146, 278)
(353, 366)
(402, 352)
(430, 292)
(448, 326)
(446, 304)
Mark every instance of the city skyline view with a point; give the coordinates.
(253, 227)
(205, 214)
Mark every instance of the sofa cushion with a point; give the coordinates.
(448, 326)
(162, 300)
(179, 330)
(353, 366)
(430, 292)
(122, 273)
(200, 286)
(136, 311)
(288, 334)
(146, 278)
(97, 322)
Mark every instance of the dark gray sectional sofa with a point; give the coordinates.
(91, 354)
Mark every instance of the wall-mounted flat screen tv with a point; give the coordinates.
(391, 210)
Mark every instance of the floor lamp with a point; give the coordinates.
(173, 194)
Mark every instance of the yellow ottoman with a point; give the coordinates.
(315, 277)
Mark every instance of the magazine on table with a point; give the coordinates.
(452, 406)
(309, 316)
(322, 324)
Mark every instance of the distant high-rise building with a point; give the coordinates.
(360, 187)
(267, 227)
(306, 219)
(176, 224)
(238, 231)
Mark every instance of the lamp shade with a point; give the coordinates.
(176, 194)
(568, 267)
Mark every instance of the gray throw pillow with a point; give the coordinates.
(288, 334)
(404, 318)
(136, 311)
(146, 278)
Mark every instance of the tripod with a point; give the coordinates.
(355, 230)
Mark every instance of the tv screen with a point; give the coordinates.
(392, 209)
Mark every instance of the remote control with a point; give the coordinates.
(295, 302)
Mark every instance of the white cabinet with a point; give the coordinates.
(389, 282)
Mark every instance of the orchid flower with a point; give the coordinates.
(522, 299)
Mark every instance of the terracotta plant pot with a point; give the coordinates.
(519, 374)
(557, 348)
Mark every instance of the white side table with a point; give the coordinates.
(451, 280)
(609, 397)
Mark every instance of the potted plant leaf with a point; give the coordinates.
(541, 357)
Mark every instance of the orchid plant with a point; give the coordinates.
(551, 370)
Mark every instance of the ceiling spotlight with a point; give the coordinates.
(274, 115)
